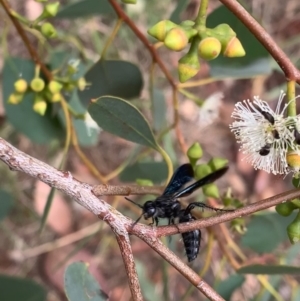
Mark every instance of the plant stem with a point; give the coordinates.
(291, 98)
(201, 17)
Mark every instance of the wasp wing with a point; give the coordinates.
(181, 176)
(206, 180)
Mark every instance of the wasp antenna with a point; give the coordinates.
(137, 220)
(134, 202)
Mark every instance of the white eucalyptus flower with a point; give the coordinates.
(265, 135)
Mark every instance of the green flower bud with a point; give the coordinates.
(285, 209)
(56, 97)
(40, 105)
(81, 83)
(209, 48)
(129, 1)
(296, 182)
(51, 9)
(223, 32)
(293, 230)
(202, 170)
(187, 23)
(20, 86)
(73, 66)
(69, 87)
(194, 153)
(54, 86)
(48, 30)
(160, 29)
(176, 39)
(15, 98)
(238, 224)
(37, 84)
(188, 66)
(211, 190)
(234, 48)
(293, 161)
(296, 203)
(217, 163)
(144, 182)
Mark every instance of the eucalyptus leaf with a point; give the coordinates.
(80, 285)
(180, 7)
(229, 285)
(116, 78)
(157, 172)
(266, 231)
(6, 204)
(87, 130)
(159, 109)
(16, 289)
(117, 116)
(259, 269)
(85, 8)
(147, 286)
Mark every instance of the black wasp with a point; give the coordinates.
(265, 150)
(168, 206)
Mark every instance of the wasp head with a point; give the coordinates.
(149, 209)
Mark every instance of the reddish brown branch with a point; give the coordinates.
(82, 193)
(126, 251)
(186, 271)
(225, 217)
(119, 11)
(290, 71)
(100, 190)
(26, 41)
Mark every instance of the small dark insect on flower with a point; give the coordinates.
(167, 205)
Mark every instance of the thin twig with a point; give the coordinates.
(225, 217)
(126, 251)
(119, 11)
(26, 41)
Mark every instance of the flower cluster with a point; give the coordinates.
(268, 139)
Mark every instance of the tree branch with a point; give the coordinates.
(121, 225)
(128, 259)
(225, 217)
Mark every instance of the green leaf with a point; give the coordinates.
(80, 285)
(157, 172)
(266, 231)
(259, 269)
(16, 289)
(181, 6)
(116, 78)
(87, 136)
(40, 129)
(229, 285)
(6, 204)
(147, 287)
(159, 109)
(119, 117)
(85, 8)
(257, 59)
